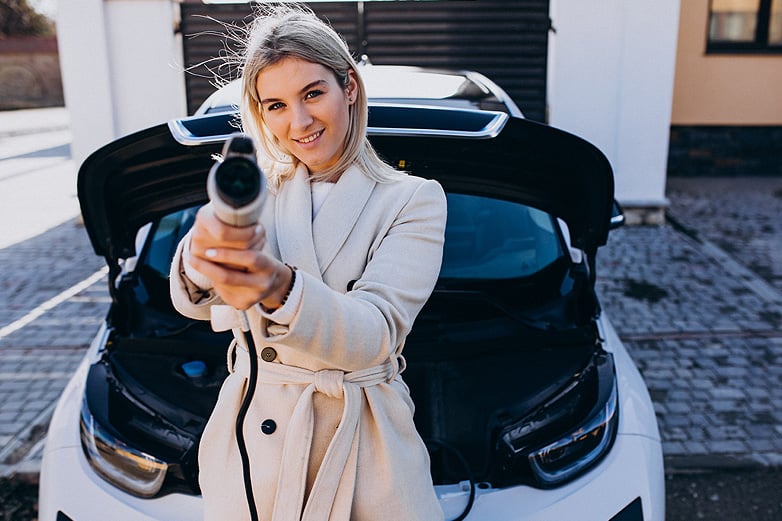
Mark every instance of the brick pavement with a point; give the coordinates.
(743, 219)
(48, 313)
(39, 353)
(698, 304)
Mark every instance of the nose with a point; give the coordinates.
(302, 118)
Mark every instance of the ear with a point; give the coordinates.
(351, 91)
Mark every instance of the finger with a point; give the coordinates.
(221, 274)
(242, 260)
(200, 243)
(236, 300)
(259, 239)
(208, 227)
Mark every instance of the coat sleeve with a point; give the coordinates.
(365, 326)
(188, 298)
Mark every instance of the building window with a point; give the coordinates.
(753, 26)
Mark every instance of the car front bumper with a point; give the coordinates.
(631, 473)
(69, 488)
(607, 493)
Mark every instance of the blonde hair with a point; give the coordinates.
(285, 31)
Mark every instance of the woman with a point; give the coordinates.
(347, 253)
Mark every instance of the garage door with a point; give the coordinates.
(506, 41)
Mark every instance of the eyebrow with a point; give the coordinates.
(302, 91)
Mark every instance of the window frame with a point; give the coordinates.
(760, 45)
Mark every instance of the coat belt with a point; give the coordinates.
(337, 473)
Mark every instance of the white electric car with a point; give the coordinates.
(530, 406)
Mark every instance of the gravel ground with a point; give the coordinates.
(18, 500)
(745, 495)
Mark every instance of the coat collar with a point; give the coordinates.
(312, 246)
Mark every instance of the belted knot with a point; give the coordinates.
(329, 382)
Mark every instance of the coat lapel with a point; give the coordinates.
(293, 223)
(339, 213)
(312, 246)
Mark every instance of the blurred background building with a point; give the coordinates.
(29, 62)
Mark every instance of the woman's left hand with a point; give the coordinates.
(242, 274)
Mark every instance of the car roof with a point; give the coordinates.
(397, 84)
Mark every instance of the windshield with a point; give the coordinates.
(485, 238)
(488, 238)
(160, 248)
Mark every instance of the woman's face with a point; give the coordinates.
(306, 110)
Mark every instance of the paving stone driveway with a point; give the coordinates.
(698, 303)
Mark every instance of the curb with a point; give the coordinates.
(760, 287)
(23, 448)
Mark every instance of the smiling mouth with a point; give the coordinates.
(310, 138)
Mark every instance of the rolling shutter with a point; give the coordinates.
(506, 41)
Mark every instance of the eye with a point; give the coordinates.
(313, 94)
(274, 106)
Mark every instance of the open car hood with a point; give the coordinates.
(143, 176)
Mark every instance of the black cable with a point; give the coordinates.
(471, 498)
(237, 200)
(252, 380)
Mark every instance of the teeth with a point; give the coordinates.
(311, 138)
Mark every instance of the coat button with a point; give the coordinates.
(268, 426)
(268, 354)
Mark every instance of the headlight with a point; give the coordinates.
(129, 469)
(582, 420)
(570, 455)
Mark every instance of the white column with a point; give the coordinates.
(122, 68)
(145, 57)
(611, 75)
(84, 62)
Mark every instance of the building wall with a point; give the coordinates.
(722, 89)
(29, 73)
(727, 111)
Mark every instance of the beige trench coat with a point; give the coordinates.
(355, 425)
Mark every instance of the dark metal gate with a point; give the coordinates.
(506, 41)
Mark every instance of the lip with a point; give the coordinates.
(313, 137)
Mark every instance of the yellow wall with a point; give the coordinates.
(722, 89)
